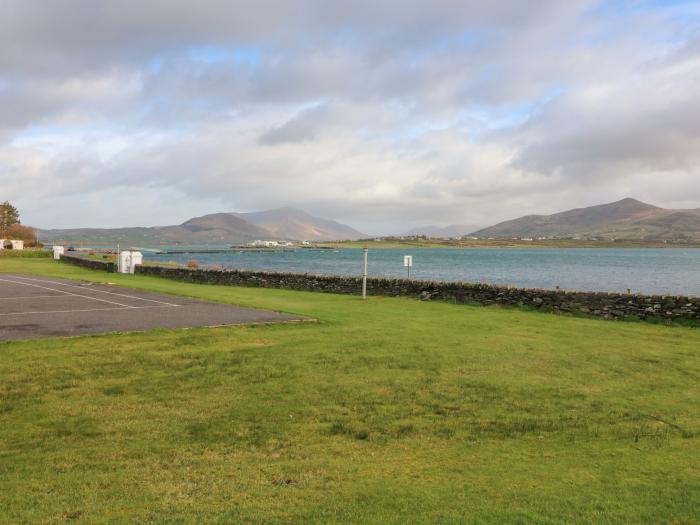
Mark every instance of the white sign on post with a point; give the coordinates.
(408, 262)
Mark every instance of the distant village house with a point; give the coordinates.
(11, 244)
(270, 244)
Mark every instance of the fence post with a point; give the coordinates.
(364, 274)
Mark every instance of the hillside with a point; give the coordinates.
(223, 224)
(453, 230)
(216, 228)
(190, 234)
(290, 223)
(625, 219)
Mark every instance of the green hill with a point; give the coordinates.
(216, 228)
(625, 219)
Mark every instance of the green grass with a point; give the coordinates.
(25, 254)
(385, 411)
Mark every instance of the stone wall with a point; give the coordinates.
(89, 263)
(596, 304)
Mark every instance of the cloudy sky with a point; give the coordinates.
(384, 114)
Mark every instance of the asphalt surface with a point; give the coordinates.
(34, 307)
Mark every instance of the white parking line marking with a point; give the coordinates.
(62, 294)
(91, 310)
(68, 293)
(100, 291)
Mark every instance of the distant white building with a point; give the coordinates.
(264, 244)
(11, 244)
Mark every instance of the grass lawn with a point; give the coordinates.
(385, 411)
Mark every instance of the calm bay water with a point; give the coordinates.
(652, 271)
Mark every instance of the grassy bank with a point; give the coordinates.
(385, 411)
(25, 254)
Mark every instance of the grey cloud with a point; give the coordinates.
(298, 129)
(649, 123)
(82, 33)
(375, 112)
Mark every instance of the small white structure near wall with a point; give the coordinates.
(58, 251)
(11, 244)
(129, 260)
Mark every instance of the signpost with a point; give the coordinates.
(408, 262)
(364, 274)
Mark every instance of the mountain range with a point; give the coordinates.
(216, 228)
(290, 223)
(626, 219)
(453, 230)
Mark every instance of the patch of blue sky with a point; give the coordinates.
(675, 10)
(494, 119)
(56, 137)
(652, 4)
(38, 133)
(249, 56)
(683, 15)
(474, 123)
(513, 115)
(155, 65)
(610, 7)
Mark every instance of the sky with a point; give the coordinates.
(382, 114)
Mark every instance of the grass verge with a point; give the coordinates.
(385, 411)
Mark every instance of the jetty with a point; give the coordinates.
(226, 250)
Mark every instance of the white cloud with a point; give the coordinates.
(383, 114)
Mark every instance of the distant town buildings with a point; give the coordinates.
(271, 244)
(11, 244)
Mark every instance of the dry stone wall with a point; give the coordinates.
(89, 263)
(596, 304)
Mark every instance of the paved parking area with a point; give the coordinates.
(34, 307)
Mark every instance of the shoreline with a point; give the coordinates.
(503, 244)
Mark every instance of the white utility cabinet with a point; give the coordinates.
(128, 261)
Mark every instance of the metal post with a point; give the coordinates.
(364, 274)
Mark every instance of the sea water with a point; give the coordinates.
(663, 271)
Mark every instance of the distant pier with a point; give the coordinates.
(227, 250)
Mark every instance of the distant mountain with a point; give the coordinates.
(190, 232)
(454, 230)
(216, 228)
(290, 223)
(625, 219)
(224, 224)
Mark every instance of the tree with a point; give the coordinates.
(23, 233)
(9, 216)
